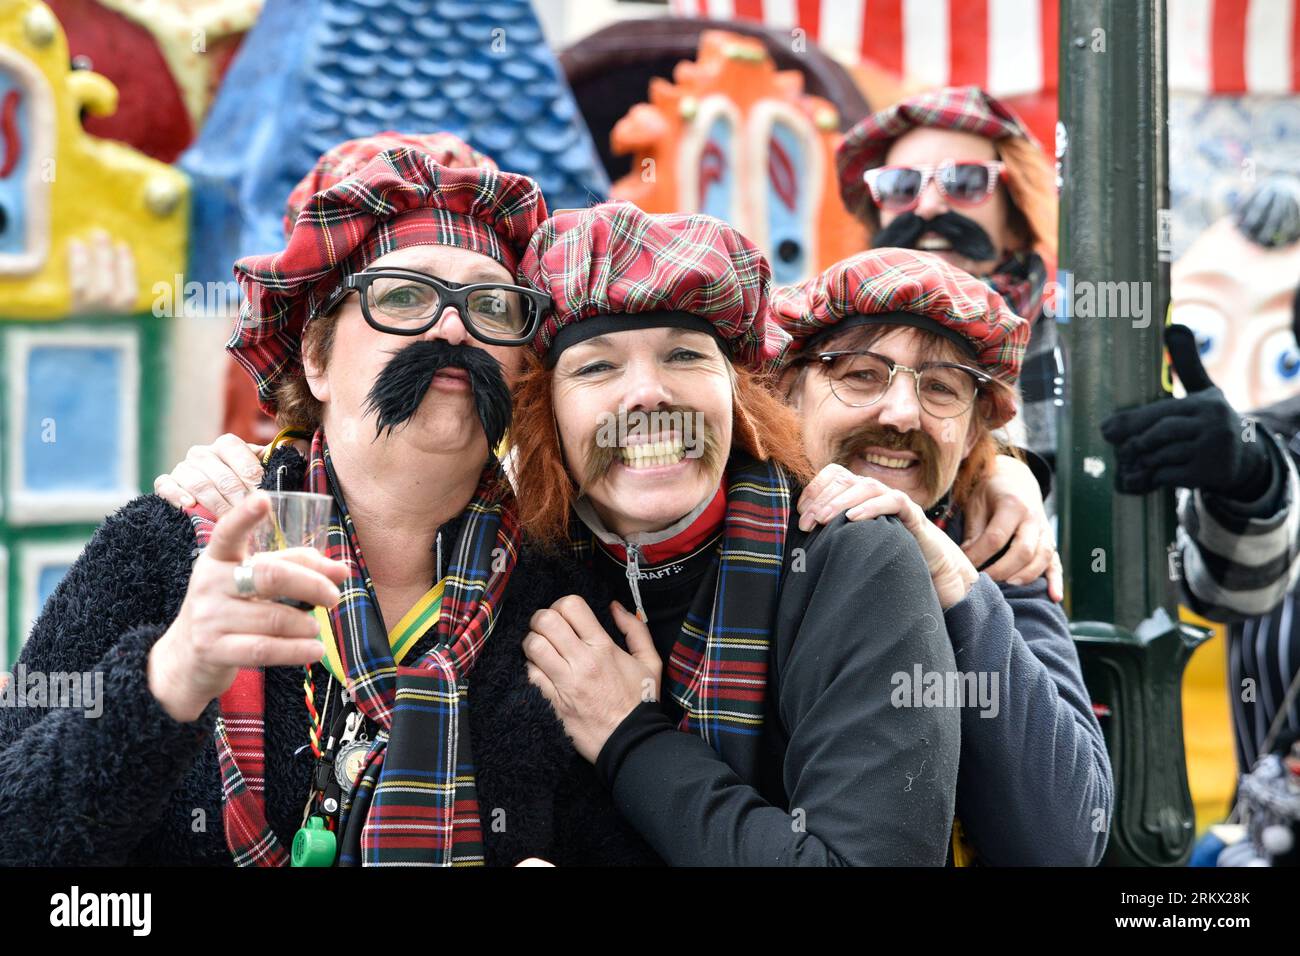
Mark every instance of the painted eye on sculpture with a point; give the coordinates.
(709, 169)
(785, 213)
(27, 122)
(786, 219)
(12, 166)
(715, 170)
(1278, 361)
(785, 200)
(1288, 365)
(1210, 328)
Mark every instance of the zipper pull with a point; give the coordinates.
(634, 580)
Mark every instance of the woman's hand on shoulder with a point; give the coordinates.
(836, 489)
(217, 476)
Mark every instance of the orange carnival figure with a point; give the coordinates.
(734, 137)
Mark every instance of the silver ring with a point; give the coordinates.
(244, 586)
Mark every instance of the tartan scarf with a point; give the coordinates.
(1020, 279)
(420, 807)
(717, 670)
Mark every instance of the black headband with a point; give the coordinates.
(589, 328)
(923, 322)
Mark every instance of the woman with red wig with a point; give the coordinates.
(772, 733)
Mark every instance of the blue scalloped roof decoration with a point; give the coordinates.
(312, 73)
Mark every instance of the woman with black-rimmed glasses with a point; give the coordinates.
(225, 737)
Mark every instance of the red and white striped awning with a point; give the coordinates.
(1009, 47)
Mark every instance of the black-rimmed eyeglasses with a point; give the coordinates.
(860, 378)
(405, 302)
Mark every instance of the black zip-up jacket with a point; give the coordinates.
(846, 776)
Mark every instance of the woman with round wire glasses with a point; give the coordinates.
(902, 368)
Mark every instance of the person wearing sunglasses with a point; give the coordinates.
(956, 173)
(902, 369)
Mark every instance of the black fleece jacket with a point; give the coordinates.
(134, 786)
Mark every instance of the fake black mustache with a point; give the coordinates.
(401, 386)
(966, 236)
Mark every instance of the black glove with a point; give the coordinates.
(1195, 442)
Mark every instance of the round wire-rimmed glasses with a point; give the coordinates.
(860, 378)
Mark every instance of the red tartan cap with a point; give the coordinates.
(615, 266)
(400, 197)
(967, 109)
(349, 156)
(906, 287)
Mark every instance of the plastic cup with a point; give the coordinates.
(298, 519)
